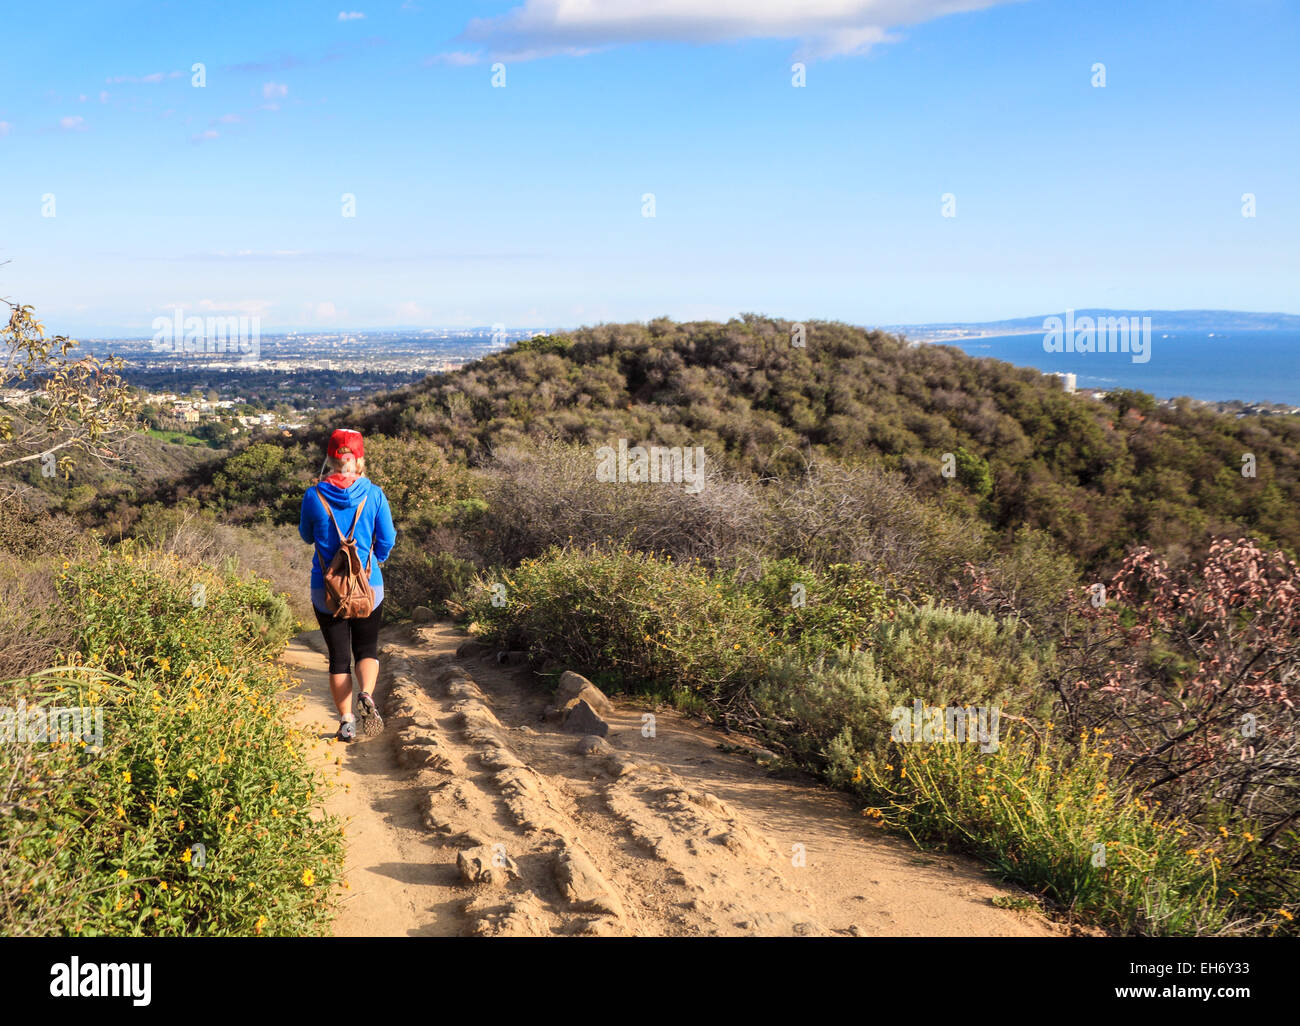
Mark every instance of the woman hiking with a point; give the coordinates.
(343, 505)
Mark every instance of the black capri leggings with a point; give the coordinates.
(363, 635)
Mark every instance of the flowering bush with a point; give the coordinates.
(1202, 688)
(199, 813)
(1048, 815)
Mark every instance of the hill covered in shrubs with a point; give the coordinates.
(1097, 476)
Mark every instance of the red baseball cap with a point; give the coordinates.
(345, 441)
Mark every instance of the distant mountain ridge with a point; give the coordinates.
(1161, 320)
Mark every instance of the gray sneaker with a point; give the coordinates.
(372, 724)
(347, 729)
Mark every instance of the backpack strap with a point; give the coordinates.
(356, 519)
(330, 513)
(352, 531)
(369, 555)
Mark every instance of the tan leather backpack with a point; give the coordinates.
(348, 593)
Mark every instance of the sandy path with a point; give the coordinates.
(665, 836)
(395, 872)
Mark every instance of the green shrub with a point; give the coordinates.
(544, 344)
(828, 708)
(196, 751)
(629, 618)
(266, 480)
(138, 609)
(948, 657)
(973, 472)
(424, 489)
(414, 576)
(835, 607)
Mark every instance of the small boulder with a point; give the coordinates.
(469, 649)
(569, 685)
(575, 686)
(559, 712)
(423, 614)
(582, 719)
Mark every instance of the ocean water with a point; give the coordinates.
(1255, 366)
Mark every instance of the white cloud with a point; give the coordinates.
(151, 79)
(274, 90)
(229, 119)
(824, 28)
(211, 133)
(351, 16)
(5, 128)
(75, 123)
(459, 58)
(103, 96)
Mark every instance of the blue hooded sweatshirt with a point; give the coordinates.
(375, 533)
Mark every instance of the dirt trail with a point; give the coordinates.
(665, 835)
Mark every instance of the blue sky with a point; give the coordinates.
(523, 205)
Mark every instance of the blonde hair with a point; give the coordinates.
(335, 464)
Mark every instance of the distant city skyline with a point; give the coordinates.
(870, 161)
(1188, 320)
